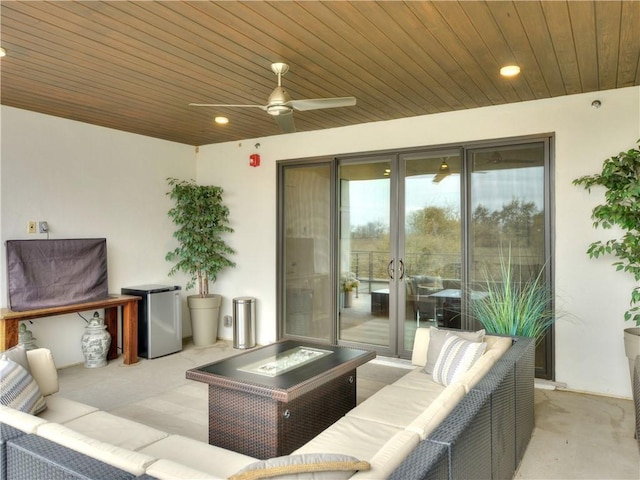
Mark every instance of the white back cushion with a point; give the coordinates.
(43, 370)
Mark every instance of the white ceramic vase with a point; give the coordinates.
(95, 343)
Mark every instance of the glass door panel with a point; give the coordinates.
(306, 269)
(507, 220)
(365, 264)
(432, 245)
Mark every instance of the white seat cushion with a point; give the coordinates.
(43, 370)
(419, 380)
(209, 459)
(436, 412)
(118, 431)
(392, 453)
(479, 369)
(497, 344)
(169, 470)
(62, 410)
(395, 406)
(21, 420)
(351, 436)
(122, 458)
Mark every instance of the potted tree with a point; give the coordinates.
(202, 220)
(620, 176)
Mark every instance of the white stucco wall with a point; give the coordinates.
(91, 181)
(589, 342)
(88, 181)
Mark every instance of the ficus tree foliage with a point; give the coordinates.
(202, 219)
(620, 176)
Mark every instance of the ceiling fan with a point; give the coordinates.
(281, 106)
(443, 172)
(496, 158)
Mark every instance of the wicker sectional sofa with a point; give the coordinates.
(475, 427)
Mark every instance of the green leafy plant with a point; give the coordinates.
(513, 307)
(620, 176)
(202, 219)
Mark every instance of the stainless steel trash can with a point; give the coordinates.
(244, 322)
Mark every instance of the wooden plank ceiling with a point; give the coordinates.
(135, 65)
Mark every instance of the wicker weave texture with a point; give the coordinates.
(263, 427)
(427, 460)
(525, 391)
(30, 457)
(467, 434)
(7, 433)
(500, 383)
(486, 435)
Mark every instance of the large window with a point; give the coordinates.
(377, 245)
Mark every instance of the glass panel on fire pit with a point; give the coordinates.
(285, 361)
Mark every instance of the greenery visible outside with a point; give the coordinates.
(433, 241)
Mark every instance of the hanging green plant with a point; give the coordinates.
(202, 220)
(620, 176)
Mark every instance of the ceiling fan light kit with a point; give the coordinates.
(281, 106)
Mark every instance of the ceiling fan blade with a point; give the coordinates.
(285, 120)
(317, 103)
(262, 107)
(440, 176)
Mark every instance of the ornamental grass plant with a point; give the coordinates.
(514, 307)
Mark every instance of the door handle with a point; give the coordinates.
(390, 269)
(401, 269)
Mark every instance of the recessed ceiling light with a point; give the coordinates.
(221, 120)
(3, 52)
(510, 70)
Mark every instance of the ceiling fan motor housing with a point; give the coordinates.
(278, 102)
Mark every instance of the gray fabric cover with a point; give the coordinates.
(52, 273)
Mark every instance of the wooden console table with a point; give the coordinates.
(10, 320)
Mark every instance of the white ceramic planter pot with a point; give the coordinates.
(632, 347)
(205, 312)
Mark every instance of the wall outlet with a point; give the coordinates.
(43, 227)
(31, 227)
(228, 321)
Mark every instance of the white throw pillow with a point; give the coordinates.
(456, 358)
(437, 338)
(18, 389)
(329, 466)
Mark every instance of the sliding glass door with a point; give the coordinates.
(373, 246)
(509, 221)
(430, 229)
(306, 243)
(366, 262)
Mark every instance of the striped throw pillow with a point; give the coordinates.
(18, 389)
(456, 358)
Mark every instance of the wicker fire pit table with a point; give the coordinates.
(271, 400)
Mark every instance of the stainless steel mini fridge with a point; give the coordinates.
(159, 319)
